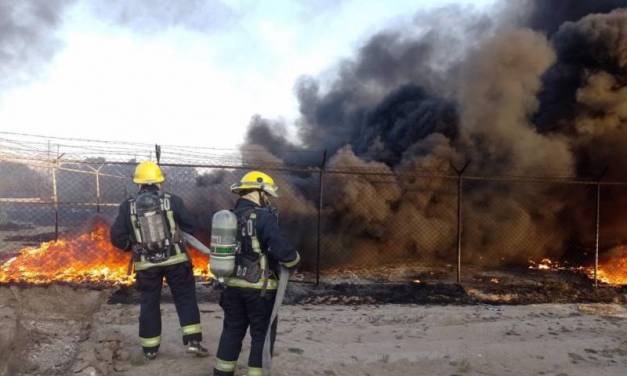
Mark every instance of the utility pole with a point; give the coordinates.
(598, 226)
(55, 194)
(320, 204)
(460, 191)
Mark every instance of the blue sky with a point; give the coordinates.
(162, 74)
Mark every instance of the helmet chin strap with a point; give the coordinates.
(259, 197)
(158, 185)
(264, 199)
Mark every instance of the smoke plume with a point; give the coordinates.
(549, 15)
(532, 89)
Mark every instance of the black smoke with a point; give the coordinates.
(396, 87)
(584, 90)
(27, 37)
(532, 96)
(549, 15)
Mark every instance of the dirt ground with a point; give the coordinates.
(66, 331)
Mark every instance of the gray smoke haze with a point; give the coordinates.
(27, 40)
(594, 50)
(585, 92)
(603, 97)
(497, 96)
(404, 74)
(487, 89)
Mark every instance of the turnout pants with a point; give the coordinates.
(244, 308)
(180, 278)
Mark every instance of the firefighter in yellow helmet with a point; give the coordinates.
(249, 296)
(150, 224)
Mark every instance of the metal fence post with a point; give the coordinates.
(55, 192)
(158, 153)
(598, 227)
(55, 199)
(460, 182)
(320, 203)
(98, 190)
(97, 174)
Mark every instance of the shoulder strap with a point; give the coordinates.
(247, 222)
(132, 205)
(134, 220)
(166, 206)
(166, 201)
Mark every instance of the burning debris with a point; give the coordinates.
(88, 258)
(612, 268)
(545, 264)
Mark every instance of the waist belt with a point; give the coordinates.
(179, 257)
(272, 284)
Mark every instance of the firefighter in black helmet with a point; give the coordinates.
(150, 225)
(249, 296)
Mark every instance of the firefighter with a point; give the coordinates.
(150, 224)
(250, 293)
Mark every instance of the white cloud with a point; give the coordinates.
(182, 86)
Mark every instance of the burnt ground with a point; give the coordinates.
(505, 287)
(406, 283)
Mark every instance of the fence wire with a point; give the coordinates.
(358, 222)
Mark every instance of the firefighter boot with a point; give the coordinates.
(150, 354)
(194, 347)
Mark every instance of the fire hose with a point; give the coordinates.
(191, 240)
(284, 276)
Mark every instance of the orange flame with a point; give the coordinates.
(88, 258)
(613, 267)
(544, 264)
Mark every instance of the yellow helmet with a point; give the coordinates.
(256, 180)
(148, 172)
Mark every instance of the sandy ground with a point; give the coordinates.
(64, 331)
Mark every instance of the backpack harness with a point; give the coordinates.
(158, 241)
(251, 273)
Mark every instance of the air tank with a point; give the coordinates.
(223, 244)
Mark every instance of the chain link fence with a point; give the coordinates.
(347, 222)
